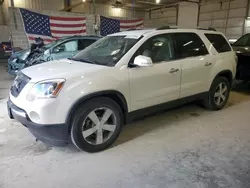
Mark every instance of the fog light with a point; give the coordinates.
(34, 116)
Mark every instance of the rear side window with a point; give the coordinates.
(219, 42)
(188, 45)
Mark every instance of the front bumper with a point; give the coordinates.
(54, 134)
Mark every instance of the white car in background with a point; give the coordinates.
(88, 98)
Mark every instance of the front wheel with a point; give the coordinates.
(96, 125)
(218, 94)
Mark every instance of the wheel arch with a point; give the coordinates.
(226, 73)
(114, 95)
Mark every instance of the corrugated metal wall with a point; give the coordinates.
(102, 9)
(40, 4)
(4, 13)
(227, 17)
(107, 10)
(1, 17)
(158, 18)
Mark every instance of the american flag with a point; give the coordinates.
(50, 28)
(109, 25)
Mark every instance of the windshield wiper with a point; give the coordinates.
(83, 60)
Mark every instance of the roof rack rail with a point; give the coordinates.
(164, 27)
(209, 28)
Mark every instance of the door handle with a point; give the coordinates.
(173, 70)
(208, 64)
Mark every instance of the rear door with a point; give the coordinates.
(223, 48)
(195, 63)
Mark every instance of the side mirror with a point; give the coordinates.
(143, 61)
(58, 49)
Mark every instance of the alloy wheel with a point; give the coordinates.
(99, 126)
(220, 94)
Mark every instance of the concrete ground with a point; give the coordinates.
(188, 147)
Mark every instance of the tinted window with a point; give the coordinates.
(219, 42)
(158, 48)
(188, 45)
(243, 41)
(83, 43)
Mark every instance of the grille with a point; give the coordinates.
(19, 83)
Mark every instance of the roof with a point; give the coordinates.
(144, 32)
(133, 32)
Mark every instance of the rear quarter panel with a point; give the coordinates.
(225, 61)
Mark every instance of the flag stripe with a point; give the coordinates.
(66, 35)
(134, 23)
(68, 28)
(68, 32)
(67, 18)
(67, 22)
(66, 25)
(131, 26)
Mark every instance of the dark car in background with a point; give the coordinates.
(65, 47)
(5, 49)
(242, 49)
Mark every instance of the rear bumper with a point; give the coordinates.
(54, 134)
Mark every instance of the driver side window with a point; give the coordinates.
(159, 48)
(69, 46)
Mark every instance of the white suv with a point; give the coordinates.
(88, 98)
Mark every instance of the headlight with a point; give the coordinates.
(46, 89)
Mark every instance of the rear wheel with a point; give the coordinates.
(96, 125)
(218, 94)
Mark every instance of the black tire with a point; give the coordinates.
(209, 101)
(79, 117)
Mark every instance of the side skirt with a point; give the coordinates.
(131, 116)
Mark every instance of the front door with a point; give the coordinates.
(160, 83)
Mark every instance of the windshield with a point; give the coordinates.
(106, 51)
(243, 41)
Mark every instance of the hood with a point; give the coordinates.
(60, 69)
(23, 54)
